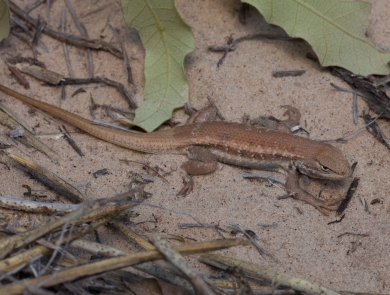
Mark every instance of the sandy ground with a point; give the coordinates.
(306, 245)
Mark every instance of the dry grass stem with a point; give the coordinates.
(270, 275)
(9, 244)
(12, 121)
(109, 264)
(36, 207)
(50, 179)
(177, 260)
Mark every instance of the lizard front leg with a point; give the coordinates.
(292, 187)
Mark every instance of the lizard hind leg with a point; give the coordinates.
(293, 118)
(206, 114)
(285, 126)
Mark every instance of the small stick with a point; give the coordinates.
(375, 130)
(351, 191)
(244, 8)
(346, 89)
(23, 239)
(64, 46)
(75, 19)
(266, 274)
(125, 56)
(219, 48)
(42, 74)
(261, 250)
(24, 39)
(83, 33)
(337, 220)
(107, 124)
(382, 81)
(355, 107)
(377, 100)
(40, 28)
(355, 92)
(20, 24)
(217, 228)
(109, 264)
(109, 109)
(33, 5)
(48, 10)
(294, 73)
(353, 234)
(344, 137)
(89, 52)
(99, 249)
(63, 92)
(251, 37)
(150, 167)
(365, 204)
(27, 30)
(77, 91)
(129, 96)
(177, 260)
(20, 267)
(36, 207)
(50, 179)
(101, 172)
(29, 60)
(95, 10)
(353, 166)
(70, 140)
(12, 122)
(19, 76)
(263, 176)
(68, 38)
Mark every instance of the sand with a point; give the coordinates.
(301, 238)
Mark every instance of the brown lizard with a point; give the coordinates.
(232, 143)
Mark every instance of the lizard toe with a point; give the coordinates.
(188, 186)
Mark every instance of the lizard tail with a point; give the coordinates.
(149, 143)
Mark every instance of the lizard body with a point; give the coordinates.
(232, 143)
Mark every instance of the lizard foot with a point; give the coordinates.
(293, 115)
(188, 186)
(293, 118)
(292, 187)
(285, 126)
(321, 205)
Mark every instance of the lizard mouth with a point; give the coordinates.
(322, 172)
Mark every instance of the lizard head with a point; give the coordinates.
(327, 162)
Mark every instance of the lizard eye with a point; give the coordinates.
(325, 169)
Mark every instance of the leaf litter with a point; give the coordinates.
(84, 219)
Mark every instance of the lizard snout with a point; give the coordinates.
(333, 164)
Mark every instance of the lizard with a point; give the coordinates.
(236, 144)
